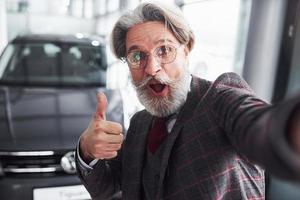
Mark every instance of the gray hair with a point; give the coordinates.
(171, 16)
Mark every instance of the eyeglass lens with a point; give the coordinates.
(164, 54)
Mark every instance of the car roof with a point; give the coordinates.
(57, 38)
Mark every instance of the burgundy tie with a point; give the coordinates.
(157, 134)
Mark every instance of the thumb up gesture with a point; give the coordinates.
(102, 139)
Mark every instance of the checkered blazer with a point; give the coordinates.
(219, 135)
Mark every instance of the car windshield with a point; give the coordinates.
(58, 64)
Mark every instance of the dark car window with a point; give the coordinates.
(53, 64)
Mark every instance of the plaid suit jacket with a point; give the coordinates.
(219, 135)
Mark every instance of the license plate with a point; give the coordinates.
(76, 192)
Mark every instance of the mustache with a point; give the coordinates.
(161, 79)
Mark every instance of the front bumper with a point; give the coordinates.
(21, 188)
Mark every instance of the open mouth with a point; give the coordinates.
(158, 88)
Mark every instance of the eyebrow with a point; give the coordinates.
(135, 47)
(163, 40)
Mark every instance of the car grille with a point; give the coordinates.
(32, 162)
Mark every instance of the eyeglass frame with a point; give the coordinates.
(147, 54)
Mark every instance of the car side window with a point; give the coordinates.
(5, 59)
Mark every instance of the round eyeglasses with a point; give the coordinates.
(164, 54)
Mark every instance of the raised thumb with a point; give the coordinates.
(101, 106)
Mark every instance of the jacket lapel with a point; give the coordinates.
(135, 154)
(193, 98)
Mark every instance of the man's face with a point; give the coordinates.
(161, 86)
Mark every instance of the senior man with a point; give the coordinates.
(195, 139)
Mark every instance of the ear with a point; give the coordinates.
(186, 51)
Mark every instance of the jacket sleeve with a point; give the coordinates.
(257, 130)
(103, 180)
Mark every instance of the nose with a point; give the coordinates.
(152, 66)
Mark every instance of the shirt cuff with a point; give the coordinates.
(84, 164)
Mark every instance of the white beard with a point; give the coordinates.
(164, 106)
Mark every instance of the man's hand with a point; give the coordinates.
(102, 139)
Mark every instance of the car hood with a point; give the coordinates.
(49, 118)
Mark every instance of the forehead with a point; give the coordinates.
(148, 34)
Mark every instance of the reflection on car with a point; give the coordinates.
(48, 86)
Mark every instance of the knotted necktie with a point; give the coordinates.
(157, 134)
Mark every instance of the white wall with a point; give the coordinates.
(20, 23)
(3, 25)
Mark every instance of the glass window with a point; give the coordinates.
(220, 27)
